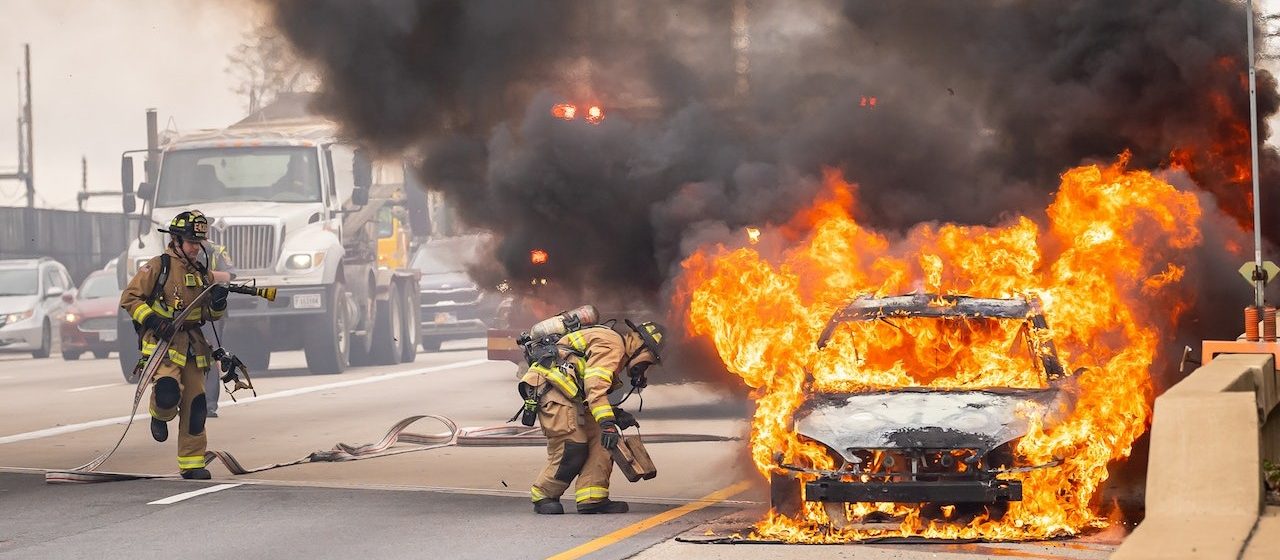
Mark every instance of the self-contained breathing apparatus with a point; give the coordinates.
(194, 225)
(540, 345)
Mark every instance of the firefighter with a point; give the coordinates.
(581, 426)
(162, 287)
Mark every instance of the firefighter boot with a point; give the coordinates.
(604, 506)
(159, 429)
(196, 474)
(548, 506)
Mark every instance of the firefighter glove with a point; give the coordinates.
(609, 434)
(163, 328)
(624, 419)
(218, 297)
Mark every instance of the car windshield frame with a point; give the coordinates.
(93, 281)
(939, 306)
(285, 174)
(9, 282)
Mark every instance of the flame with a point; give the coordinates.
(595, 114)
(1102, 265)
(538, 256)
(564, 111)
(753, 235)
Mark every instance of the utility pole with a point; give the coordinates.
(26, 159)
(26, 111)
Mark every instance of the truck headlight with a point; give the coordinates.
(303, 261)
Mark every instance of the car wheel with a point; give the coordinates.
(70, 355)
(430, 344)
(785, 495)
(46, 342)
(101, 354)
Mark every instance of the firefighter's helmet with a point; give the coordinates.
(191, 225)
(652, 335)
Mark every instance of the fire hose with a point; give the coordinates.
(493, 436)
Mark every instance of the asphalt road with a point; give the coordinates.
(455, 502)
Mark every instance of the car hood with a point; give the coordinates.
(14, 304)
(96, 307)
(923, 419)
(445, 281)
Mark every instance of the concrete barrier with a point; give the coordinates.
(1204, 479)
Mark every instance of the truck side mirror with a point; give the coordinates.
(126, 175)
(362, 170)
(360, 196)
(146, 191)
(126, 185)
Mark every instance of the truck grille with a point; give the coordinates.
(252, 247)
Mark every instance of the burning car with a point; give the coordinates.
(939, 445)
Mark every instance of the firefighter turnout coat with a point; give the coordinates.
(180, 379)
(591, 362)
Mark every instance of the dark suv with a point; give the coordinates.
(452, 305)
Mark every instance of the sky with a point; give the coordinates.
(97, 65)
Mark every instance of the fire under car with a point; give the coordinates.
(926, 445)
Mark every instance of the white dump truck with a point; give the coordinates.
(299, 209)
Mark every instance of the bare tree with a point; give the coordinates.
(265, 66)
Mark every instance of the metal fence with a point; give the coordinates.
(82, 241)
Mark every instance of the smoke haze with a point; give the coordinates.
(939, 110)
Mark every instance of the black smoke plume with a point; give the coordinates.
(720, 115)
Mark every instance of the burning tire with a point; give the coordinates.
(785, 495)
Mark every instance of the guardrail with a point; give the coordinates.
(1209, 435)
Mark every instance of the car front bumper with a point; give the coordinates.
(94, 333)
(24, 335)
(940, 491)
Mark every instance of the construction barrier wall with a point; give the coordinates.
(82, 241)
(1204, 496)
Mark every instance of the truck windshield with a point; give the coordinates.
(261, 174)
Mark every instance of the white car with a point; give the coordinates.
(31, 304)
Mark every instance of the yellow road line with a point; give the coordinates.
(636, 528)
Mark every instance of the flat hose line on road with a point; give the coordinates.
(492, 436)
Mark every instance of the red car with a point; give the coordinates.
(90, 321)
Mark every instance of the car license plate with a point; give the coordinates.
(306, 301)
(442, 318)
(107, 336)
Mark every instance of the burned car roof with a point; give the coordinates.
(937, 306)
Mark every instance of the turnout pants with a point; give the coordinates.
(179, 391)
(573, 451)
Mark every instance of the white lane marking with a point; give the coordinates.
(49, 432)
(187, 495)
(92, 387)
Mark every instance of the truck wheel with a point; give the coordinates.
(70, 354)
(328, 346)
(430, 344)
(409, 327)
(387, 337)
(101, 354)
(784, 495)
